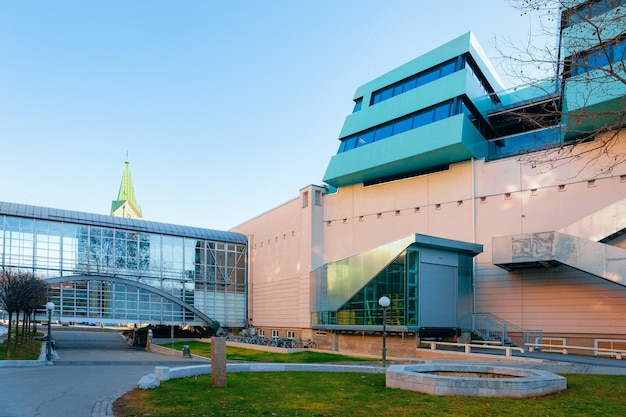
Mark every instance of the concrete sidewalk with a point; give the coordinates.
(93, 369)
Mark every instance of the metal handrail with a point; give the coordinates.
(491, 327)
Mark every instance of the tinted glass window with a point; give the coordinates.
(387, 93)
(403, 125)
(619, 52)
(442, 111)
(365, 138)
(357, 104)
(383, 132)
(409, 84)
(423, 118)
(348, 144)
(447, 68)
(427, 77)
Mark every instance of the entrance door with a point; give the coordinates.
(437, 293)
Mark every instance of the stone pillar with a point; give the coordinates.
(149, 340)
(218, 361)
(162, 372)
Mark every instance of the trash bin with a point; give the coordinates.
(186, 352)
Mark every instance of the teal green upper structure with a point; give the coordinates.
(417, 118)
(449, 105)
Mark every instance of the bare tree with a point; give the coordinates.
(576, 56)
(20, 291)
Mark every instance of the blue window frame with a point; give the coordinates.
(383, 132)
(402, 125)
(417, 80)
(441, 111)
(610, 52)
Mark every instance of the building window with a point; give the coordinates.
(438, 206)
(586, 11)
(459, 203)
(507, 196)
(416, 120)
(397, 212)
(261, 332)
(345, 221)
(608, 52)
(414, 81)
(483, 200)
(291, 334)
(561, 187)
(533, 191)
(417, 209)
(274, 334)
(318, 197)
(305, 199)
(379, 215)
(591, 183)
(358, 103)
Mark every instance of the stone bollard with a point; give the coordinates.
(149, 340)
(218, 361)
(186, 351)
(162, 372)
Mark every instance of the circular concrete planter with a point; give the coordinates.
(474, 380)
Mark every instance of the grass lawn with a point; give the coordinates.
(322, 394)
(342, 394)
(238, 354)
(29, 350)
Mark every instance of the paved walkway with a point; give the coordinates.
(94, 368)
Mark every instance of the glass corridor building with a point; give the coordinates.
(108, 269)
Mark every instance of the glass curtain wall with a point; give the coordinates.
(398, 281)
(208, 275)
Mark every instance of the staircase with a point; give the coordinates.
(493, 328)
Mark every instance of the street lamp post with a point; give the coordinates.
(384, 302)
(50, 308)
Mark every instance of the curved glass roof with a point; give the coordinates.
(77, 217)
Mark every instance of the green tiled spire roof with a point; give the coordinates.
(126, 194)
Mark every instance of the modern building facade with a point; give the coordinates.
(106, 269)
(470, 206)
(448, 195)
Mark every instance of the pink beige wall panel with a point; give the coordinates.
(578, 307)
(401, 195)
(594, 164)
(497, 177)
(559, 300)
(278, 304)
(281, 261)
(557, 207)
(451, 185)
(497, 215)
(339, 205)
(451, 221)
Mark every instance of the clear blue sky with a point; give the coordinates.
(226, 108)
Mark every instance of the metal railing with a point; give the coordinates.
(491, 327)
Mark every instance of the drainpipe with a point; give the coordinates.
(474, 241)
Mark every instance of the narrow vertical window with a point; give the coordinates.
(318, 197)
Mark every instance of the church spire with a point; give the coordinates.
(126, 203)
